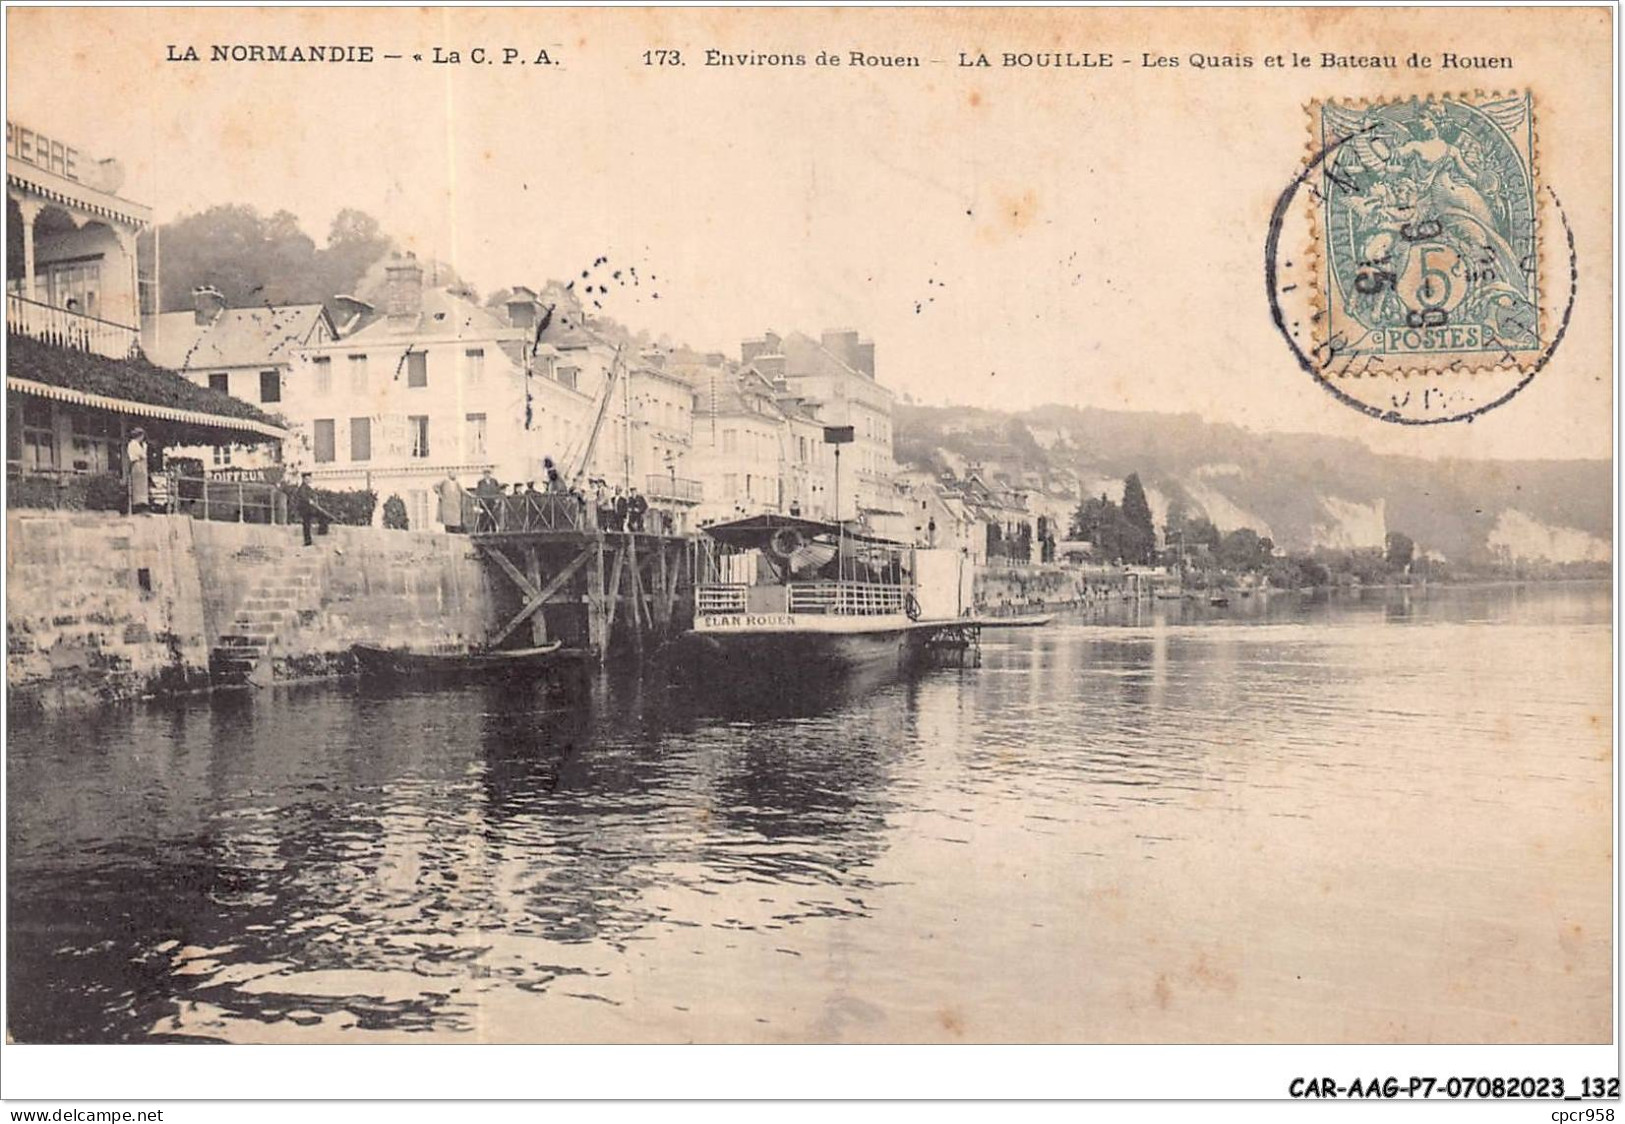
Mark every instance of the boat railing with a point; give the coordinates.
(847, 598)
(720, 598)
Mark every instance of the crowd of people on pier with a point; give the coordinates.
(499, 506)
(490, 505)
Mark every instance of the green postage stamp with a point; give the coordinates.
(1427, 224)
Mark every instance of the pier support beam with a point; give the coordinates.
(534, 598)
(639, 609)
(577, 588)
(598, 610)
(538, 619)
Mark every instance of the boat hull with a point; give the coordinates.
(1038, 621)
(401, 662)
(782, 658)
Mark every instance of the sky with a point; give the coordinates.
(1007, 237)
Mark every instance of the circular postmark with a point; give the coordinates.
(1409, 265)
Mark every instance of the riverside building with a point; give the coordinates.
(833, 378)
(429, 383)
(77, 382)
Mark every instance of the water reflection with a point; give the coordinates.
(649, 859)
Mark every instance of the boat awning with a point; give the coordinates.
(757, 529)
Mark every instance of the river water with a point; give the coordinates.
(1378, 819)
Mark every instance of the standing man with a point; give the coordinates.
(136, 455)
(450, 498)
(636, 508)
(304, 502)
(621, 508)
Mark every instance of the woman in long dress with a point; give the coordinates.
(137, 455)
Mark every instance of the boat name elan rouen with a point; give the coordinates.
(785, 588)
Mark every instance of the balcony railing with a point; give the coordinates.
(62, 327)
(673, 489)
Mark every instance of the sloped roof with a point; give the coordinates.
(114, 383)
(238, 337)
(444, 314)
(729, 393)
(807, 356)
(796, 408)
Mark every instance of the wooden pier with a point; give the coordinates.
(597, 590)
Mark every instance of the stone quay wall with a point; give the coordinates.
(102, 607)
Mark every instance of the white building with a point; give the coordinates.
(432, 383)
(759, 449)
(648, 438)
(76, 283)
(834, 378)
(248, 353)
(76, 381)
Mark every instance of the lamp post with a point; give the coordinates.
(838, 435)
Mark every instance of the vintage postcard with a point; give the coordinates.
(1086, 527)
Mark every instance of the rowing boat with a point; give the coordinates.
(375, 660)
(1031, 620)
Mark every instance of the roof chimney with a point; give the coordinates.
(866, 359)
(403, 290)
(207, 305)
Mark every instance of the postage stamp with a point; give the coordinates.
(1428, 248)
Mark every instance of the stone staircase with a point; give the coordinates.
(241, 654)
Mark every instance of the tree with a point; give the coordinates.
(1239, 550)
(1313, 572)
(1201, 530)
(1139, 534)
(395, 518)
(354, 242)
(1100, 521)
(257, 260)
(1178, 516)
(1399, 550)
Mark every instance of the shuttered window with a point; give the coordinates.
(360, 439)
(322, 439)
